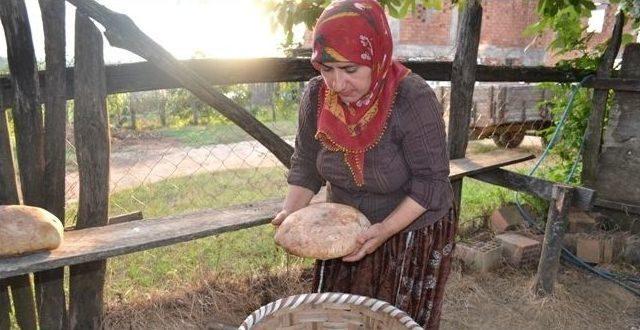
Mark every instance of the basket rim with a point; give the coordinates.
(295, 301)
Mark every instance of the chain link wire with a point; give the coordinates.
(170, 153)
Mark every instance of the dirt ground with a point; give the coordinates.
(498, 300)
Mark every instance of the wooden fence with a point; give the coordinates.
(41, 161)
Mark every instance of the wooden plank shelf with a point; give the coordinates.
(98, 243)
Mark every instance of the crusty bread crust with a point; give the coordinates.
(322, 231)
(26, 229)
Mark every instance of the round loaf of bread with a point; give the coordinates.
(322, 231)
(26, 229)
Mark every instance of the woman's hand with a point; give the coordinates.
(369, 241)
(277, 220)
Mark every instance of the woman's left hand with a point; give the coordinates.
(369, 241)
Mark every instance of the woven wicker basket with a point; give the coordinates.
(328, 311)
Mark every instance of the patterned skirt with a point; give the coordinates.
(410, 271)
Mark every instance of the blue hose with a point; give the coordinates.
(566, 254)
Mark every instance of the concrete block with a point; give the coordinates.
(479, 256)
(631, 252)
(599, 249)
(519, 250)
(570, 241)
(581, 222)
(506, 218)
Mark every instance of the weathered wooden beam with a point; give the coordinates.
(593, 135)
(552, 245)
(8, 186)
(617, 176)
(97, 243)
(5, 304)
(91, 128)
(463, 79)
(617, 206)
(126, 217)
(583, 198)
(616, 84)
(8, 195)
(485, 163)
(27, 121)
(117, 219)
(50, 294)
(144, 76)
(123, 33)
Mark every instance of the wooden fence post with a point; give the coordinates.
(27, 120)
(8, 195)
(92, 150)
(463, 78)
(593, 136)
(52, 305)
(552, 245)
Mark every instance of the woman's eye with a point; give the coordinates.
(351, 69)
(326, 68)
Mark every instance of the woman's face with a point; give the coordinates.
(351, 81)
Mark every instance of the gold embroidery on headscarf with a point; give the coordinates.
(339, 15)
(335, 55)
(334, 106)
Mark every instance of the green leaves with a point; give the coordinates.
(286, 14)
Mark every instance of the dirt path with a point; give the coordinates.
(152, 160)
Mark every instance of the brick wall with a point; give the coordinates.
(427, 27)
(504, 21)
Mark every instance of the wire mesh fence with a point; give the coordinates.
(171, 153)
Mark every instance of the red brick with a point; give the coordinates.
(506, 218)
(581, 222)
(519, 250)
(598, 248)
(632, 250)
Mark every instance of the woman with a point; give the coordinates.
(374, 131)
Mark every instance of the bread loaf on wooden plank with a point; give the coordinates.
(25, 229)
(322, 231)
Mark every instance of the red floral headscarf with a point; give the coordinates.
(356, 31)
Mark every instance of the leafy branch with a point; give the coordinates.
(286, 14)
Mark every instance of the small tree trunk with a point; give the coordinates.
(132, 111)
(162, 101)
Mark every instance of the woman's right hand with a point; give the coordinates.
(277, 220)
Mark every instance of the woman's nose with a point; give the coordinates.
(338, 82)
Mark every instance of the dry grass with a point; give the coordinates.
(499, 300)
(502, 300)
(219, 298)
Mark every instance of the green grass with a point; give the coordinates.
(245, 252)
(197, 136)
(241, 252)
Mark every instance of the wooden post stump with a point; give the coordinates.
(463, 79)
(552, 245)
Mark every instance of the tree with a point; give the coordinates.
(288, 13)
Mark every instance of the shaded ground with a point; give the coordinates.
(499, 300)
